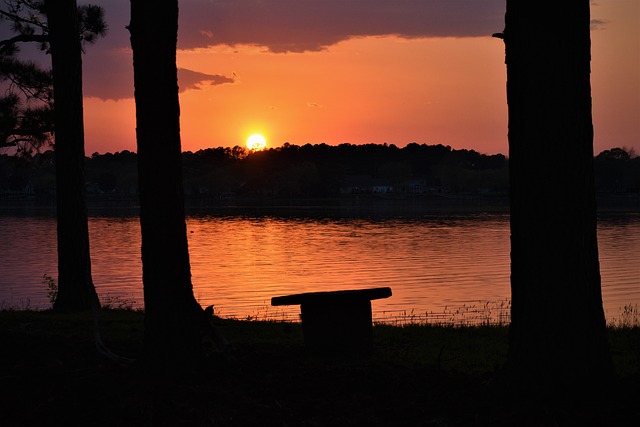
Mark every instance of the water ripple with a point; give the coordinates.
(239, 263)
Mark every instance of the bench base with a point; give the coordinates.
(342, 326)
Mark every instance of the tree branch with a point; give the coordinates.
(24, 38)
(17, 18)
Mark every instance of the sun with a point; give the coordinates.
(256, 142)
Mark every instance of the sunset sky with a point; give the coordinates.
(356, 71)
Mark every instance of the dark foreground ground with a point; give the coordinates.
(50, 374)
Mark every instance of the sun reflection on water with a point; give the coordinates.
(437, 268)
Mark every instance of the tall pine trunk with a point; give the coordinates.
(558, 335)
(171, 312)
(75, 285)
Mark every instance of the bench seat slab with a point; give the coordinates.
(332, 297)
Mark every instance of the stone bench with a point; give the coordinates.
(334, 321)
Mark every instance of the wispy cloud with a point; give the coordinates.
(598, 24)
(189, 79)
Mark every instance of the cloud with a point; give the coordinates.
(189, 79)
(309, 25)
(108, 74)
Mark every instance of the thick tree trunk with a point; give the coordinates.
(558, 335)
(75, 285)
(171, 312)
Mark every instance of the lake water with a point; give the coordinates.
(448, 268)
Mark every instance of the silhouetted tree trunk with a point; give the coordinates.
(171, 312)
(558, 335)
(75, 285)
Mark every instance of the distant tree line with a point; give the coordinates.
(310, 171)
(617, 171)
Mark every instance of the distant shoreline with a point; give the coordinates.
(348, 206)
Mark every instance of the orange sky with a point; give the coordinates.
(361, 88)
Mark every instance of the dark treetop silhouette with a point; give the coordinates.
(26, 104)
(315, 171)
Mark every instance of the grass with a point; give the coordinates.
(417, 374)
(629, 317)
